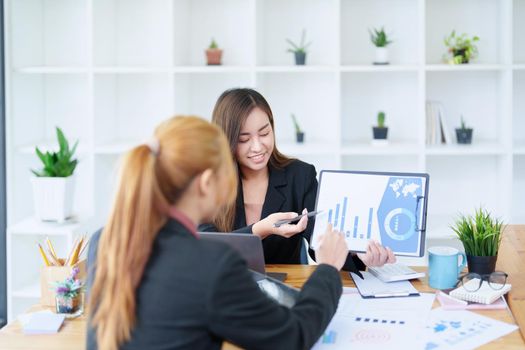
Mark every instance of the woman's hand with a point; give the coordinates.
(377, 255)
(332, 248)
(265, 227)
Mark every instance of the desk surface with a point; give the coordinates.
(511, 260)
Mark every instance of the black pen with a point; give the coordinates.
(278, 223)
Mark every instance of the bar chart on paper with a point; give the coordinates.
(363, 206)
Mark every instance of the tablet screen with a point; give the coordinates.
(387, 207)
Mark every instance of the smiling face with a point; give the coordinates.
(256, 142)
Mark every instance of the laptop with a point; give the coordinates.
(249, 247)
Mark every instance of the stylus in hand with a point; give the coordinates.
(278, 223)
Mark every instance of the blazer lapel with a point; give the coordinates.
(274, 197)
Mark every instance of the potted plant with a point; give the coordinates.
(213, 54)
(461, 48)
(481, 237)
(380, 131)
(67, 294)
(464, 134)
(299, 50)
(53, 185)
(299, 134)
(380, 40)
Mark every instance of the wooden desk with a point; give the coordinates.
(511, 260)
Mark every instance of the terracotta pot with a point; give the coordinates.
(213, 57)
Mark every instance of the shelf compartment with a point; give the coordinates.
(136, 33)
(356, 68)
(518, 13)
(278, 20)
(313, 100)
(393, 93)
(47, 101)
(383, 163)
(476, 148)
(129, 107)
(463, 184)
(518, 110)
(230, 22)
(388, 148)
(196, 94)
(49, 32)
(464, 67)
(358, 17)
(477, 96)
(306, 149)
(442, 16)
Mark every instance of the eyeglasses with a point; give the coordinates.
(472, 281)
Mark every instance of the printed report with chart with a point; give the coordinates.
(387, 207)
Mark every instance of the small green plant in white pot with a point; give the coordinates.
(380, 40)
(53, 185)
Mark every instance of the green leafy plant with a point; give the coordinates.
(379, 38)
(301, 48)
(461, 48)
(296, 124)
(381, 119)
(57, 164)
(213, 45)
(480, 234)
(463, 125)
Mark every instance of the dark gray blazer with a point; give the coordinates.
(196, 293)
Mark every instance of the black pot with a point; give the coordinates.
(380, 133)
(464, 136)
(482, 265)
(461, 53)
(299, 137)
(300, 58)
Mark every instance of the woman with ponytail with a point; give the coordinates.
(153, 284)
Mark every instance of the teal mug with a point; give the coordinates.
(444, 267)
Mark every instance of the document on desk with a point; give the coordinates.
(369, 324)
(462, 330)
(372, 287)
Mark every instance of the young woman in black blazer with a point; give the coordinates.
(156, 285)
(271, 185)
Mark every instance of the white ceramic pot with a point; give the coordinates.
(381, 55)
(53, 197)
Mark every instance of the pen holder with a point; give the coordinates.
(51, 274)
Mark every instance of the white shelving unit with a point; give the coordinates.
(108, 71)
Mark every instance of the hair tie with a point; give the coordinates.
(153, 145)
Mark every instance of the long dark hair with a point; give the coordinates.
(230, 112)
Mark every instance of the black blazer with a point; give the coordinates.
(196, 293)
(291, 188)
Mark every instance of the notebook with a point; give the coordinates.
(395, 272)
(43, 323)
(449, 303)
(372, 287)
(484, 295)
